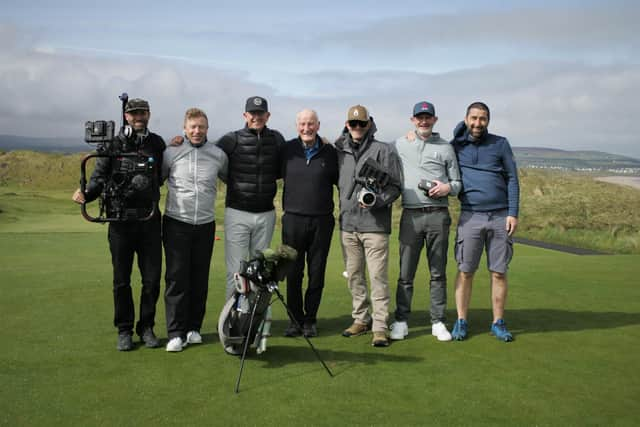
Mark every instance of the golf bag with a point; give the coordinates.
(247, 314)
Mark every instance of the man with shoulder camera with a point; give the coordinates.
(430, 172)
(370, 178)
(489, 203)
(130, 236)
(254, 167)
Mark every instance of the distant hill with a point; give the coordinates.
(586, 161)
(527, 157)
(60, 145)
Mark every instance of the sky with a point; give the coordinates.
(560, 74)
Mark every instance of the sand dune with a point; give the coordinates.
(630, 181)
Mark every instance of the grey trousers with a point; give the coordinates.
(244, 234)
(419, 228)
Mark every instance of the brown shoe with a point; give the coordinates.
(355, 330)
(380, 339)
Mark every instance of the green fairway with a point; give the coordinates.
(576, 321)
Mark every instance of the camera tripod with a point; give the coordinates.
(271, 288)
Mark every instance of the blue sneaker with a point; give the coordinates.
(499, 329)
(459, 331)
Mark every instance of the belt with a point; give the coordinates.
(428, 209)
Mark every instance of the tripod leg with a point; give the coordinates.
(292, 318)
(247, 339)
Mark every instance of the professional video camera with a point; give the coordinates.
(131, 178)
(373, 178)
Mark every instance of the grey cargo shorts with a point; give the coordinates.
(479, 230)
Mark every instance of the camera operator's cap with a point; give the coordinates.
(358, 112)
(256, 103)
(424, 107)
(136, 104)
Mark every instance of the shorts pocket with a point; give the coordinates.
(458, 250)
(509, 251)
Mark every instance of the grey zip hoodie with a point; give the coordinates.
(191, 172)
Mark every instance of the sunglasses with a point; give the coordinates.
(356, 123)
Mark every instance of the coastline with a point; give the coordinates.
(628, 181)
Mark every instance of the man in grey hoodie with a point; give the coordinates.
(431, 174)
(365, 219)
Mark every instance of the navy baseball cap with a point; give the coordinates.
(424, 107)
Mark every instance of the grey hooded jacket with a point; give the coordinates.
(191, 172)
(351, 158)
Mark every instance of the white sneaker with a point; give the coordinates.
(194, 337)
(176, 344)
(439, 330)
(399, 330)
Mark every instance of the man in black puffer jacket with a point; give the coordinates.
(254, 167)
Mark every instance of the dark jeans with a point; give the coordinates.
(311, 237)
(417, 229)
(125, 240)
(188, 249)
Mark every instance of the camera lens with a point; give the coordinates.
(98, 128)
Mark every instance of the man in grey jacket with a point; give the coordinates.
(431, 173)
(369, 182)
(189, 227)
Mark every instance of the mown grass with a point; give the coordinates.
(574, 361)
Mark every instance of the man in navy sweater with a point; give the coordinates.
(309, 172)
(489, 214)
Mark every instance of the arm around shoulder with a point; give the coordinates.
(228, 142)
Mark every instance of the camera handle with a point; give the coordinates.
(83, 188)
(125, 129)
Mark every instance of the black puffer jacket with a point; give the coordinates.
(254, 167)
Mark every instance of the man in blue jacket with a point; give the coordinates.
(489, 214)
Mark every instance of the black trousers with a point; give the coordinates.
(311, 237)
(125, 240)
(188, 249)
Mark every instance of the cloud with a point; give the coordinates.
(568, 105)
(585, 27)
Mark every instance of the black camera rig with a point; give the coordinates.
(131, 173)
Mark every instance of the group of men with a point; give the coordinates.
(369, 174)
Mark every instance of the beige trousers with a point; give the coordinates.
(371, 249)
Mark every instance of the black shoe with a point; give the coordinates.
(149, 338)
(310, 330)
(292, 331)
(125, 342)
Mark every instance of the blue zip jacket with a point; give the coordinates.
(489, 172)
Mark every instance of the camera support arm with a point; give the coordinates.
(102, 216)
